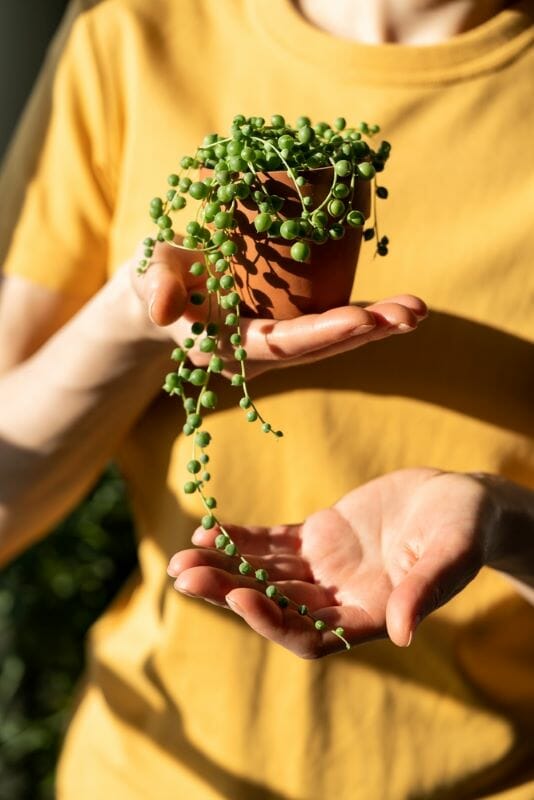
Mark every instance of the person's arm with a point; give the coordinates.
(512, 539)
(376, 563)
(65, 408)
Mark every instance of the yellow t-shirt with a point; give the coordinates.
(182, 700)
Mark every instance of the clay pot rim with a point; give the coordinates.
(283, 172)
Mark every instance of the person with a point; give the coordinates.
(181, 697)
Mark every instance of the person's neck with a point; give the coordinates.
(413, 22)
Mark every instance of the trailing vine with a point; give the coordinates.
(224, 173)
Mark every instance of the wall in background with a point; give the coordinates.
(26, 27)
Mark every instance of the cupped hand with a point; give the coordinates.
(374, 563)
(166, 288)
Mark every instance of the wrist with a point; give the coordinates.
(510, 540)
(111, 338)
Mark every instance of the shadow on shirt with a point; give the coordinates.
(456, 363)
(514, 770)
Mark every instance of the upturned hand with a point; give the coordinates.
(375, 563)
(165, 291)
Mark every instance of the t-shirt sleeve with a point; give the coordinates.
(56, 185)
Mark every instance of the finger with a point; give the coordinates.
(213, 584)
(395, 315)
(284, 340)
(162, 288)
(315, 336)
(298, 633)
(378, 333)
(434, 579)
(209, 583)
(410, 301)
(254, 540)
(276, 340)
(278, 567)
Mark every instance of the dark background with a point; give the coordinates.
(50, 595)
(26, 27)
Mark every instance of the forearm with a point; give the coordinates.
(66, 408)
(511, 541)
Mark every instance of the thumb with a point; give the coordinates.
(162, 288)
(436, 577)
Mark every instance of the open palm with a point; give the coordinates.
(374, 563)
(166, 289)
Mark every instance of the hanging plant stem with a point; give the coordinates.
(229, 179)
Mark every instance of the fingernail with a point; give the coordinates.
(234, 606)
(171, 567)
(416, 622)
(362, 329)
(403, 327)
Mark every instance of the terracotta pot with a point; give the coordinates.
(269, 281)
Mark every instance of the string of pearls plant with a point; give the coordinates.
(235, 163)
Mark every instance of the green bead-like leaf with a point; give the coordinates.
(221, 541)
(300, 251)
(203, 438)
(263, 222)
(216, 364)
(229, 248)
(366, 170)
(208, 399)
(172, 381)
(198, 377)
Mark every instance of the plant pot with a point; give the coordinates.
(270, 282)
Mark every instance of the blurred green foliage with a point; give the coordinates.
(48, 599)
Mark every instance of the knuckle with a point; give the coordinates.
(309, 655)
